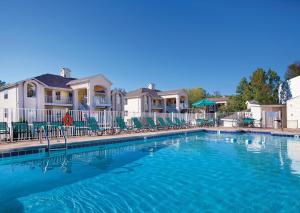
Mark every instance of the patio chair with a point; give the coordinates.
(201, 122)
(179, 123)
(122, 125)
(186, 123)
(79, 127)
(93, 126)
(4, 129)
(248, 122)
(138, 124)
(211, 122)
(37, 125)
(170, 123)
(152, 124)
(162, 123)
(20, 130)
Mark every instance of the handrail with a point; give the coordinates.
(65, 138)
(48, 140)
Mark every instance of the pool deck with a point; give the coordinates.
(35, 144)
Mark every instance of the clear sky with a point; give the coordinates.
(175, 44)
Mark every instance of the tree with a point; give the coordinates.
(285, 92)
(292, 71)
(262, 87)
(195, 94)
(2, 83)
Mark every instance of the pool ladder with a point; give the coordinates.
(49, 149)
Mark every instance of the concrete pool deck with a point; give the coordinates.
(6, 147)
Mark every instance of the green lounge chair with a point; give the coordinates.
(170, 123)
(138, 124)
(4, 129)
(122, 125)
(185, 123)
(201, 122)
(37, 127)
(152, 124)
(93, 126)
(20, 130)
(162, 123)
(211, 122)
(249, 122)
(79, 127)
(179, 123)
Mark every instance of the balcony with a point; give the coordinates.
(101, 102)
(157, 106)
(50, 100)
(183, 106)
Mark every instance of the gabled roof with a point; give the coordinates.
(218, 99)
(80, 80)
(54, 80)
(143, 91)
(171, 92)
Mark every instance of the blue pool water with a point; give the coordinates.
(200, 172)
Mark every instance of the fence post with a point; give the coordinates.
(104, 119)
(216, 119)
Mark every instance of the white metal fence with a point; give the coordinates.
(105, 120)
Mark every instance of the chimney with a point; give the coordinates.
(151, 86)
(65, 72)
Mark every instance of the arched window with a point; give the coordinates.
(31, 90)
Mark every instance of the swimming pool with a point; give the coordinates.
(194, 172)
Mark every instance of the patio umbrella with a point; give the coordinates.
(203, 103)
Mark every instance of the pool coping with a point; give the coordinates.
(31, 147)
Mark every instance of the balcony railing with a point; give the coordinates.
(184, 106)
(157, 106)
(53, 100)
(101, 102)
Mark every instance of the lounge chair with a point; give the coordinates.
(185, 123)
(211, 122)
(20, 130)
(201, 122)
(93, 126)
(138, 124)
(122, 125)
(162, 123)
(37, 127)
(170, 123)
(248, 122)
(152, 124)
(4, 129)
(80, 127)
(179, 123)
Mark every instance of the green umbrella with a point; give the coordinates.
(203, 103)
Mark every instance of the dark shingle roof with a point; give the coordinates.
(54, 80)
(143, 91)
(170, 92)
(219, 99)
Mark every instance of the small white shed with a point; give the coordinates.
(293, 112)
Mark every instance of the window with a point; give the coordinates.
(31, 90)
(57, 95)
(5, 94)
(126, 101)
(5, 113)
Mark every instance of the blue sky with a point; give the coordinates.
(176, 44)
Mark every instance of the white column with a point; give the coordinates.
(178, 103)
(75, 99)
